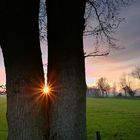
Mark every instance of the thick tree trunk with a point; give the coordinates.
(66, 72)
(19, 39)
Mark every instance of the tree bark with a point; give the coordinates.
(66, 70)
(19, 38)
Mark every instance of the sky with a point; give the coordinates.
(2, 69)
(118, 61)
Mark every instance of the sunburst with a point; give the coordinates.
(46, 90)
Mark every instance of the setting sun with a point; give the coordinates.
(46, 89)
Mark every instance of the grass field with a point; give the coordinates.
(3, 124)
(116, 119)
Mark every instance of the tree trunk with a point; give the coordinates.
(125, 92)
(66, 70)
(19, 39)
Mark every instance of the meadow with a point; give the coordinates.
(3, 123)
(116, 119)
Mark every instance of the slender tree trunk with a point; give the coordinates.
(66, 72)
(125, 92)
(24, 70)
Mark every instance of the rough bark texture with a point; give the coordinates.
(19, 38)
(66, 73)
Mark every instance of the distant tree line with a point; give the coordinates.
(2, 89)
(126, 82)
(126, 85)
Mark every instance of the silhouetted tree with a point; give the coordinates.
(126, 85)
(2, 89)
(101, 21)
(66, 68)
(114, 89)
(136, 73)
(103, 85)
(43, 21)
(130, 91)
(19, 39)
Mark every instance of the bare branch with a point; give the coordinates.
(43, 21)
(102, 19)
(94, 54)
(136, 73)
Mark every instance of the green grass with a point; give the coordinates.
(116, 119)
(3, 123)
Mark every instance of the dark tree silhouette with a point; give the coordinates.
(66, 68)
(2, 89)
(101, 21)
(103, 85)
(19, 39)
(114, 89)
(126, 85)
(136, 73)
(130, 91)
